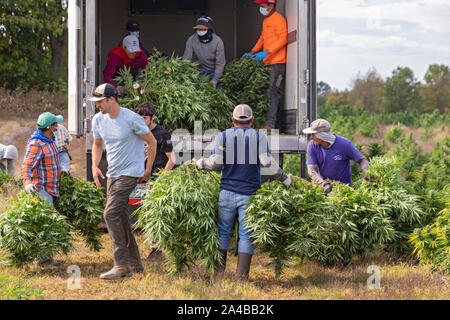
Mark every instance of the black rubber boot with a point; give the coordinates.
(220, 267)
(243, 266)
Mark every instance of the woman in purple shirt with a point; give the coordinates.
(329, 156)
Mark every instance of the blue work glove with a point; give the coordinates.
(248, 54)
(260, 55)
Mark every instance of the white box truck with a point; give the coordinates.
(97, 26)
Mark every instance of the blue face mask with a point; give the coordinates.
(264, 11)
(135, 33)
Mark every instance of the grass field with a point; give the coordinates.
(398, 280)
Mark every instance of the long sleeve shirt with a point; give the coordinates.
(117, 60)
(273, 39)
(41, 166)
(211, 55)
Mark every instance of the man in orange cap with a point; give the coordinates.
(271, 48)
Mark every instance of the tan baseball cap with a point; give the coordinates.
(319, 125)
(242, 112)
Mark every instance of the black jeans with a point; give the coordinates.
(277, 74)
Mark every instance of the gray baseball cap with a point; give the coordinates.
(131, 42)
(319, 125)
(242, 112)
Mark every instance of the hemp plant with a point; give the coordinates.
(179, 214)
(83, 205)
(180, 94)
(31, 228)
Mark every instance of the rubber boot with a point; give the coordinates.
(220, 267)
(243, 266)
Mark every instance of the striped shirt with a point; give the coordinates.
(41, 166)
(62, 138)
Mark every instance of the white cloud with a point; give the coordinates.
(355, 35)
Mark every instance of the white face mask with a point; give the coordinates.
(201, 33)
(264, 11)
(135, 33)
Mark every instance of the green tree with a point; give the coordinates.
(323, 89)
(436, 90)
(33, 43)
(401, 91)
(367, 91)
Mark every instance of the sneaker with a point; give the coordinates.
(154, 255)
(116, 272)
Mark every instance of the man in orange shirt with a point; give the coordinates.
(271, 48)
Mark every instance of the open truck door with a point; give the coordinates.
(166, 25)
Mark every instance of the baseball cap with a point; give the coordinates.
(46, 119)
(132, 25)
(103, 91)
(131, 43)
(204, 22)
(319, 125)
(265, 1)
(242, 112)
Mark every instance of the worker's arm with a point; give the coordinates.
(281, 36)
(33, 155)
(277, 173)
(97, 151)
(151, 142)
(220, 63)
(259, 45)
(171, 162)
(188, 50)
(314, 174)
(363, 164)
(111, 68)
(215, 161)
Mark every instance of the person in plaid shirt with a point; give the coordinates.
(41, 170)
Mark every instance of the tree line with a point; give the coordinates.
(402, 91)
(33, 44)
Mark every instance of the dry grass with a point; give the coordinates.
(308, 280)
(399, 280)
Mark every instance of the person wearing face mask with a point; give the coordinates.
(132, 28)
(209, 50)
(271, 48)
(41, 170)
(129, 55)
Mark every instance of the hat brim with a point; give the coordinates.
(309, 131)
(59, 118)
(95, 99)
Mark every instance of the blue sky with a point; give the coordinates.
(355, 35)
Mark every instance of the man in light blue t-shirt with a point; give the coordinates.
(329, 156)
(123, 133)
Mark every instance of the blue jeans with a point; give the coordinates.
(48, 199)
(46, 196)
(64, 161)
(230, 205)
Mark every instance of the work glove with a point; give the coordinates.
(370, 179)
(287, 182)
(260, 55)
(30, 188)
(214, 83)
(327, 188)
(200, 164)
(120, 91)
(248, 54)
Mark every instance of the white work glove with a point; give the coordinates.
(287, 182)
(30, 188)
(214, 83)
(200, 163)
